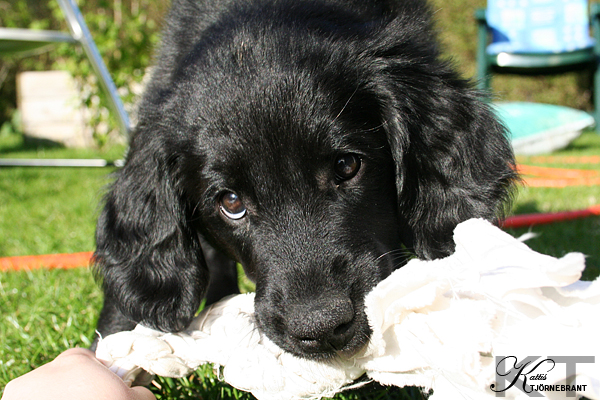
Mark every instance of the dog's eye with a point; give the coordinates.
(231, 206)
(346, 166)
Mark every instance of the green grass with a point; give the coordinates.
(42, 314)
(45, 210)
(49, 210)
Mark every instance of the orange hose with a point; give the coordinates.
(556, 172)
(51, 261)
(566, 159)
(535, 176)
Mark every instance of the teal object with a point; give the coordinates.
(541, 128)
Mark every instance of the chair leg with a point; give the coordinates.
(483, 67)
(596, 100)
(484, 75)
(595, 23)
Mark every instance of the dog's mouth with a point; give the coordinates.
(319, 335)
(337, 341)
(345, 343)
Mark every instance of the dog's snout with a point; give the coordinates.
(323, 325)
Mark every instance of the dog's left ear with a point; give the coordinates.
(452, 156)
(453, 162)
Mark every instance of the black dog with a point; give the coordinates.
(313, 141)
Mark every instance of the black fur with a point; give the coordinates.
(261, 98)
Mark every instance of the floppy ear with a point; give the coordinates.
(148, 257)
(453, 159)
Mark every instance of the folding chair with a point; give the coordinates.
(538, 37)
(25, 41)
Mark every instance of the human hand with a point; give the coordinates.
(75, 374)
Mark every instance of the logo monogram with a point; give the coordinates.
(510, 372)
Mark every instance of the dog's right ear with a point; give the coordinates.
(147, 256)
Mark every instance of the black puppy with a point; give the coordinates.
(312, 141)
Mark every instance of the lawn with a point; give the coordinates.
(49, 210)
(46, 210)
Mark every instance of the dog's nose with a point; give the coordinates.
(323, 325)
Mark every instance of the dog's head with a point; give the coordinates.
(317, 158)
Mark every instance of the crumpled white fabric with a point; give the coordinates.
(225, 335)
(436, 324)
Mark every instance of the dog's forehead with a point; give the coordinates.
(267, 149)
(275, 120)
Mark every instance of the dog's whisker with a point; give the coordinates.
(394, 252)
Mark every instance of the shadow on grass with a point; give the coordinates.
(375, 391)
(530, 207)
(15, 143)
(579, 146)
(588, 141)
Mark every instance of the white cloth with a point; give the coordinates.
(436, 324)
